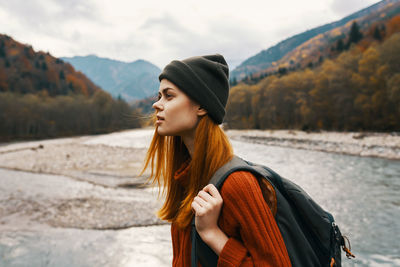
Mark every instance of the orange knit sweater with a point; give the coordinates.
(254, 237)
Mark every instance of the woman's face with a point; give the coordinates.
(177, 114)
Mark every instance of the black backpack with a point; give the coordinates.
(310, 234)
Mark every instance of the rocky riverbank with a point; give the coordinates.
(382, 145)
(85, 182)
(55, 195)
(98, 181)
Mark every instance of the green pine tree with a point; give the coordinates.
(355, 34)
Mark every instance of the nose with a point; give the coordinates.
(157, 105)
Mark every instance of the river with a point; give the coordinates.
(361, 192)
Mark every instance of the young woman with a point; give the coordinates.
(188, 147)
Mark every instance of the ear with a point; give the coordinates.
(201, 111)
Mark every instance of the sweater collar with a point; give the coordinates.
(182, 174)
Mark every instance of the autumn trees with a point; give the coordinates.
(31, 116)
(41, 97)
(359, 90)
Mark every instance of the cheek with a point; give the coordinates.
(185, 114)
(189, 119)
(182, 117)
(182, 108)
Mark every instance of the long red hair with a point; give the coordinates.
(166, 155)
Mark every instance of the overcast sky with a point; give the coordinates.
(160, 31)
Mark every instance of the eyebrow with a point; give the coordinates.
(165, 90)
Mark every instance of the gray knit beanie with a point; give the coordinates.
(205, 79)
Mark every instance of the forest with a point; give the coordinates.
(43, 97)
(357, 90)
(354, 85)
(36, 116)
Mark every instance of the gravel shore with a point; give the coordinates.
(101, 181)
(84, 182)
(104, 171)
(381, 145)
(73, 187)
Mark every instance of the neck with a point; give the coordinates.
(189, 143)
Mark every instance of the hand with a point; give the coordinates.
(207, 207)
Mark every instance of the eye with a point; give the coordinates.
(168, 95)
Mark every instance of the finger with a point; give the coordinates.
(205, 196)
(203, 203)
(198, 210)
(212, 190)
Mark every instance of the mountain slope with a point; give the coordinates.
(42, 96)
(22, 70)
(131, 81)
(375, 26)
(265, 58)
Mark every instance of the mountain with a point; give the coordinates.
(44, 97)
(270, 56)
(131, 81)
(22, 70)
(372, 27)
(345, 79)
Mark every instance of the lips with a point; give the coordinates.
(159, 119)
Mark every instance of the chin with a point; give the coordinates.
(162, 132)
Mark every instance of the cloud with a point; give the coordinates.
(164, 22)
(43, 15)
(46, 24)
(163, 31)
(68, 28)
(175, 40)
(344, 8)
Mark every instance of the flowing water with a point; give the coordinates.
(361, 193)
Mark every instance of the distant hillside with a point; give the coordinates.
(131, 81)
(375, 26)
(355, 89)
(43, 97)
(266, 58)
(22, 70)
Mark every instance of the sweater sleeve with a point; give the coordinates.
(261, 242)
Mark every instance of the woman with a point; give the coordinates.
(187, 148)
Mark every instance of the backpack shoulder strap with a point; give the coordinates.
(235, 164)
